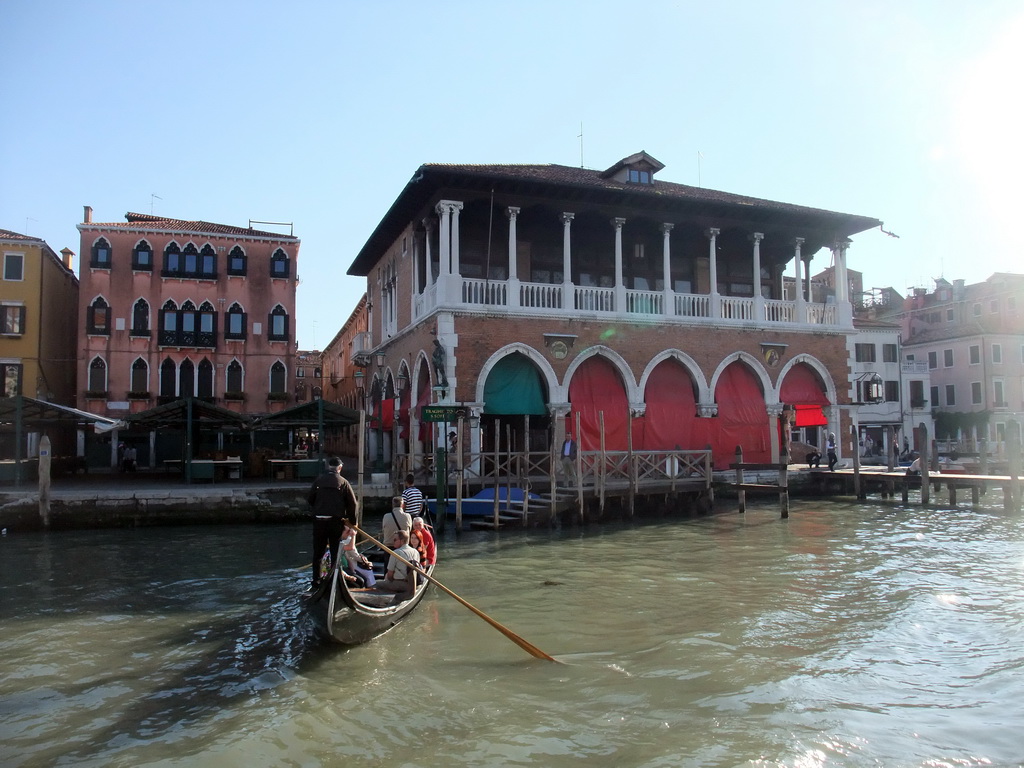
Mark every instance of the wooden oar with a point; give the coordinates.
(526, 646)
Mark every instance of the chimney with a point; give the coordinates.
(88, 214)
(68, 255)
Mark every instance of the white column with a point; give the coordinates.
(567, 290)
(428, 225)
(620, 286)
(843, 306)
(712, 233)
(801, 304)
(756, 238)
(513, 256)
(444, 241)
(455, 208)
(666, 268)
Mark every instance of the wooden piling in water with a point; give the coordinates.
(741, 495)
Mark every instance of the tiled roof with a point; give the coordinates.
(586, 177)
(150, 223)
(6, 234)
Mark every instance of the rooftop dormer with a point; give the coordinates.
(635, 169)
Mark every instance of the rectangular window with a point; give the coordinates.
(890, 353)
(974, 353)
(949, 315)
(997, 353)
(917, 394)
(947, 358)
(14, 266)
(865, 353)
(976, 310)
(12, 319)
(935, 396)
(975, 393)
(933, 360)
(950, 394)
(892, 391)
(997, 394)
(993, 307)
(10, 376)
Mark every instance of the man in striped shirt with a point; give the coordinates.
(413, 497)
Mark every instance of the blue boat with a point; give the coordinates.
(482, 504)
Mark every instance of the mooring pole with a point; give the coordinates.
(741, 495)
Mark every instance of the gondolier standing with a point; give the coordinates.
(332, 500)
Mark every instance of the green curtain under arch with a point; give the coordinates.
(514, 387)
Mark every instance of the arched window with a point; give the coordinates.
(300, 391)
(140, 377)
(237, 261)
(98, 320)
(186, 379)
(234, 323)
(205, 381)
(172, 260)
(279, 264)
(168, 379)
(207, 326)
(98, 377)
(277, 379)
(235, 380)
(190, 260)
(142, 256)
(278, 324)
(140, 318)
(208, 262)
(101, 254)
(169, 324)
(187, 324)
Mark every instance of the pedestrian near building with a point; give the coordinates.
(332, 501)
(568, 458)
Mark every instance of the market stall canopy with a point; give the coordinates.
(34, 413)
(179, 412)
(317, 413)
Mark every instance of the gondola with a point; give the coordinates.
(350, 615)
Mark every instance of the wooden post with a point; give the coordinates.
(554, 460)
(1013, 467)
(603, 469)
(458, 473)
(44, 480)
(578, 437)
(983, 454)
(890, 438)
(709, 468)
(741, 495)
(925, 444)
(858, 488)
(630, 467)
(508, 474)
(359, 478)
(787, 416)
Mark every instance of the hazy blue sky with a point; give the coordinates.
(319, 113)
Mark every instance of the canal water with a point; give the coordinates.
(847, 635)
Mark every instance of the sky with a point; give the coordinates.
(318, 113)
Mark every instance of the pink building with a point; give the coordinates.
(172, 309)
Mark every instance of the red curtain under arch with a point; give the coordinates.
(742, 418)
(671, 414)
(803, 390)
(597, 387)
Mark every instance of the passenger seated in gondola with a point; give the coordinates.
(399, 576)
(356, 564)
(395, 520)
(428, 553)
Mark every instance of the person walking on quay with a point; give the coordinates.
(412, 496)
(830, 450)
(333, 501)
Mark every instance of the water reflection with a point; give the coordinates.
(846, 635)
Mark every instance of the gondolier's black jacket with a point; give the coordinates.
(332, 496)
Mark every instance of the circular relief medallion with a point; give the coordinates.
(559, 350)
(772, 356)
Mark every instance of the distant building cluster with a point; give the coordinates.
(533, 301)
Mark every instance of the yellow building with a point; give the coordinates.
(38, 320)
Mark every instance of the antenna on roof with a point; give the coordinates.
(153, 197)
(700, 156)
(289, 224)
(580, 137)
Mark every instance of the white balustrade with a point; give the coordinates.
(540, 296)
(692, 305)
(644, 302)
(489, 293)
(734, 308)
(595, 299)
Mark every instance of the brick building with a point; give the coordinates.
(172, 309)
(533, 294)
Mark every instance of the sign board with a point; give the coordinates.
(444, 412)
